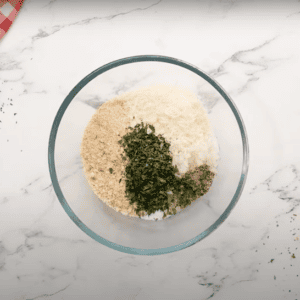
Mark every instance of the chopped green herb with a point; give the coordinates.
(111, 170)
(152, 128)
(148, 187)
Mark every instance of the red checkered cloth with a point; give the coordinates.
(8, 12)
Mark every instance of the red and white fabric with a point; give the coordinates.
(8, 12)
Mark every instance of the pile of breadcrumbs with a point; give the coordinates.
(101, 155)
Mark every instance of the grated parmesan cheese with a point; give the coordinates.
(178, 115)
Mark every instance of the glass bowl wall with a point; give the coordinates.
(134, 235)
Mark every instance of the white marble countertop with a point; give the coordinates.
(251, 48)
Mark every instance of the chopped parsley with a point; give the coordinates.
(150, 178)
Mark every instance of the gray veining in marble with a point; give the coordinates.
(251, 48)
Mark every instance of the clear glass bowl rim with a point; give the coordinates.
(63, 108)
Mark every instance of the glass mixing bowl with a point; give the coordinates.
(135, 235)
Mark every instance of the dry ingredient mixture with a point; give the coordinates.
(155, 169)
